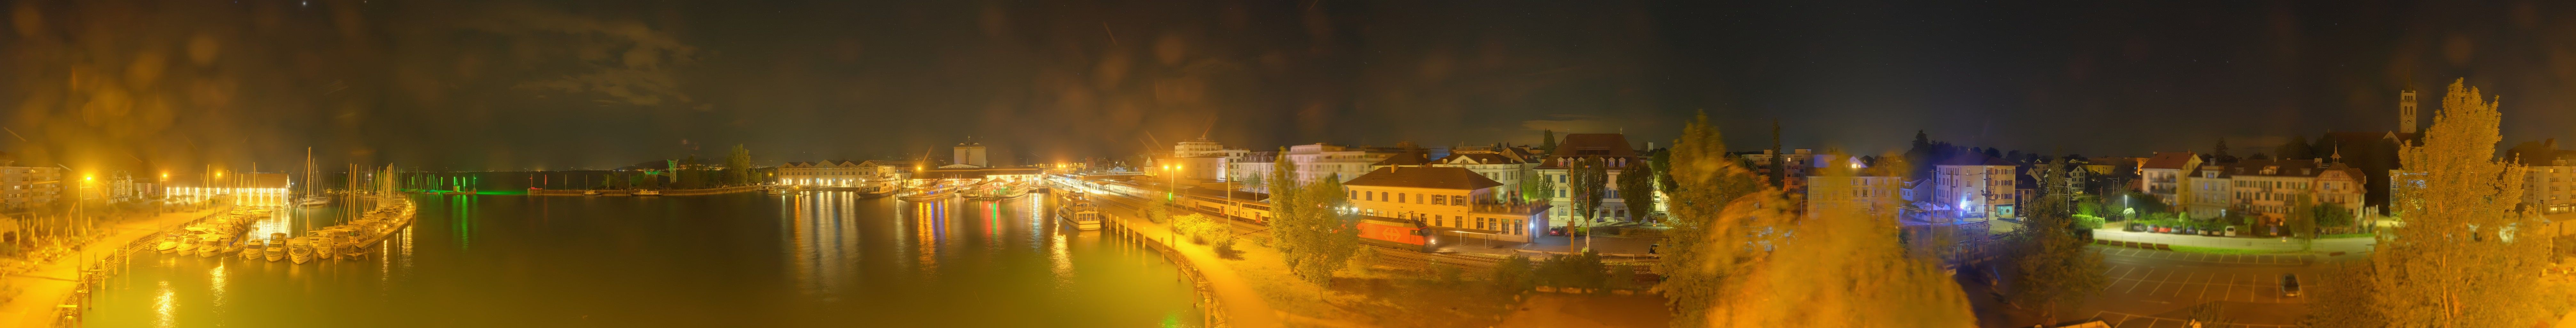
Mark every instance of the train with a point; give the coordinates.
(1249, 207)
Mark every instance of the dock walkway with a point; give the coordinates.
(41, 290)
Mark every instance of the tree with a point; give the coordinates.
(1707, 178)
(2332, 215)
(1547, 140)
(2302, 223)
(1314, 237)
(2296, 149)
(1662, 161)
(1536, 187)
(1637, 190)
(1779, 164)
(2462, 260)
(738, 166)
(2055, 267)
(1587, 177)
(2219, 153)
(1845, 273)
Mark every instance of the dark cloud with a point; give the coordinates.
(558, 84)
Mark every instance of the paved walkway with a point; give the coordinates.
(42, 289)
(2347, 245)
(1243, 305)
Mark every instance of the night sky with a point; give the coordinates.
(468, 85)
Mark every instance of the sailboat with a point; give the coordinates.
(310, 198)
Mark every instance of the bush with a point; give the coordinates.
(1514, 275)
(2088, 221)
(1579, 271)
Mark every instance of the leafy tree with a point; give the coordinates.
(2462, 260)
(1536, 187)
(1662, 162)
(1587, 177)
(2219, 153)
(2332, 215)
(2302, 223)
(1314, 237)
(738, 166)
(2056, 268)
(1637, 190)
(2344, 296)
(1706, 179)
(1547, 140)
(1844, 272)
(1778, 168)
(2296, 149)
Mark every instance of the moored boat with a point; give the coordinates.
(251, 249)
(209, 245)
(1080, 213)
(169, 243)
(276, 250)
(648, 192)
(927, 195)
(300, 251)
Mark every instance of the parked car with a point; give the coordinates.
(2289, 285)
(2133, 227)
(1557, 231)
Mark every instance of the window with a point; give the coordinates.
(1458, 200)
(1399, 198)
(1436, 200)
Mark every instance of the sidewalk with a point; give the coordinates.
(1243, 306)
(2322, 246)
(42, 289)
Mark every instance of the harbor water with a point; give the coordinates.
(736, 260)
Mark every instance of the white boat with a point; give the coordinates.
(311, 201)
(648, 192)
(276, 247)
(327, 240)
(590, 193)
(187, 244)
(168, 244)
(276, 250)
(299, 251)
(776, 191)
(209, 246)
(928, 194)
(1080, 213)
(250, 250)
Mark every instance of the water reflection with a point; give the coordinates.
(822, 259)
(825, 237)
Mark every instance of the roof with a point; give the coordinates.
(1416, 156)
(2292, 168)
(2357, 137)
(1594, 144)
(2171, 161)
(1972, 158)
(1424, 177)
(1477, 158)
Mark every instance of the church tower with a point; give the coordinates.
(2406, 110)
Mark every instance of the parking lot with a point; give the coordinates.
(2196, 286)
(2230, 259)
(2126, 320)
